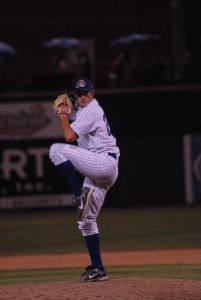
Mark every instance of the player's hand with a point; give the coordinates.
(63, 109)
(63, 105)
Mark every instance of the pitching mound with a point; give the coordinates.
(123, 288)
(127, 288)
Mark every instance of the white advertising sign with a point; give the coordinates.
(28, 179)
(29, 120)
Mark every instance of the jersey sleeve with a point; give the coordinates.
(85, 121)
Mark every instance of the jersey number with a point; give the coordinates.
(107, 124)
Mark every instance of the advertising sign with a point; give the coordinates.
(28, 179)
(192, 168)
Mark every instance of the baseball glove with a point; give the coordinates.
(63, 105)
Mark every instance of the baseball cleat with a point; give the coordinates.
(82, 276)
(83, 201)
(93, 274)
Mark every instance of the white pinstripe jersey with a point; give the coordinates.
(93, 129)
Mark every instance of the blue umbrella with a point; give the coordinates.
(6, 48)
(134, 37)
(63, 42)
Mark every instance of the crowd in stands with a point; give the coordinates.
(130, 69)
(57, 74)
(127, 68)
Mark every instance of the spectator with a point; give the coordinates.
(84, 65)
(114, 73)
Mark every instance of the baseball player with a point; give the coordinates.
(96, 157)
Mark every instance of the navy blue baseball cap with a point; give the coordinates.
(82, 84)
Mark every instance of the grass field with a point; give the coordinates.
(55, 231)
(152, 271)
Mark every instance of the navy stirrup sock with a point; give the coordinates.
(93, 245)
(71, 177)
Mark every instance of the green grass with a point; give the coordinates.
(192, 272)
(55, 231)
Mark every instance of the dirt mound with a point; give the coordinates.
(124, 288)
(127, 288)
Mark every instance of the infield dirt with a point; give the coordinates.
(121, 288)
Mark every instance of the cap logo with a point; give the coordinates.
(80, 84)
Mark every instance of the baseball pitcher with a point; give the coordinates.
(96, 157)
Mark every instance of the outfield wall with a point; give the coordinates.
(149, 125)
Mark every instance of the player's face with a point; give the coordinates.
(83, 99)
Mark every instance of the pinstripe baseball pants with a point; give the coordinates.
(100, 171)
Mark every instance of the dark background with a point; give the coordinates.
(26, 25)
(149, 124)
(149, 130)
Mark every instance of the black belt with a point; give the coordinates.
(113, 155)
